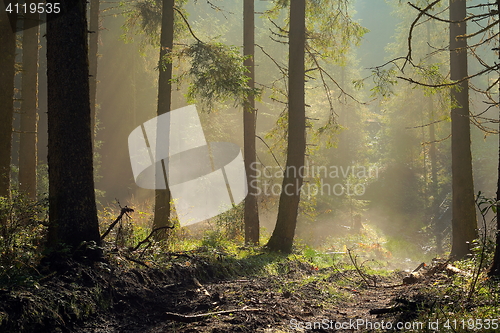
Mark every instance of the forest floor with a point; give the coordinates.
(284, 303)
(106, 298)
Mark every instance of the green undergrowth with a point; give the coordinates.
(463, 302)
(65, 288)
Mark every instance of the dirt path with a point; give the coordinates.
(316, 301)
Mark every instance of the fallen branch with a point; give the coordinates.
(124, 211)
(146, 240)
(202, 316)
(363, 276)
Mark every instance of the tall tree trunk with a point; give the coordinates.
(162, 197)
(495, 267)
(464, 221)
(251, 215)
(73, 213)
(29, 107)
(438, 225)
(7, 72)
(282, 237)
(93, 42)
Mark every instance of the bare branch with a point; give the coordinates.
(146, 240)
(451, 83)
(124, 211)
(410, 35)
(202, 316)
(436, 141)
(281, 68)
(323, 72)
(187, 24)
(489, 26)
(274, 156)
(473, 17)
(425, 125)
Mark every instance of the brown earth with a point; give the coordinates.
(106, 299)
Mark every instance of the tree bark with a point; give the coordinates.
(464, 221)
(7, 72)
(434, 191)
(93, 47)
(251, 214)
(72, 206)
(162, 197)
(495, 266)
(29, 107)
(284, 232)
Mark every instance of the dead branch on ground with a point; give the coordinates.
(147, 239)
(202, 316)
(361, 273)
(124, 211)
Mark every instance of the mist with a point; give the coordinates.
(370, 131)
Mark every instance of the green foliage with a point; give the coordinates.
(384, 80)
(227, 230)
(454, 309)
(42, 182)
(144, 18)
(22, 232)
(369, 244)
(485, 204)
(231, 222)
(330, 27)
(217, 73)
(469, 299)
(332, 31)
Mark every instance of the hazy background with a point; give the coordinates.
(377, 132)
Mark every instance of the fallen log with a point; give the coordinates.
(202, 316)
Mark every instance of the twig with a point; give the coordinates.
(353, 260)
(202, 316)
(410, 34)
(124, 211)
(187, 24)
(146, 240)
(275, 159)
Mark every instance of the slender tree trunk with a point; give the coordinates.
(433, 158)
(249, 122)
(344, 151)
(93, 42)
(73, 213)
(162, 197)
(7, 72)
(464, 221)
(29, 107)
(495, 267)
(282, 237)
(438, 226)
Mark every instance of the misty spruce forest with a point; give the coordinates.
(249, 166)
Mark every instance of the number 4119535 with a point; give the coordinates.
(32, 8)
